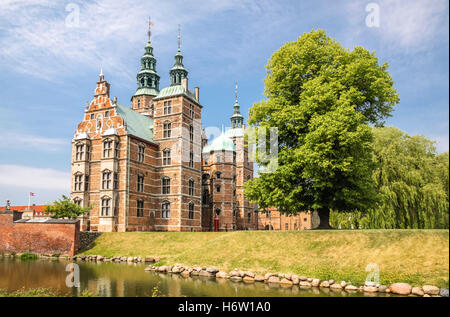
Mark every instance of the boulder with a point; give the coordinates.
(331, 282)
(266, 277)
(343, 284)
(431, 290)
(325, 284)
(401, 288)
(162, 268)
(418, 291)
(234, 273)
(185, 273)
(288, 277)
(212, 270)
(221, 274)
(444, 292)
(123, 259)
(99, 258)
(351, 288)
(382, 288)
(259, 278)
(235, 278)
(149, 259)
(336, 286)
(295, 280)
(305, 283)
(315, 282)
(370, 289)
(206, 273)
(175, 270)
(248, 279)
(285, 281)
(250, 274)
(273, 279)
(303, 278)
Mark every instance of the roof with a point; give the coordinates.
(175, 90)
(37, 208)
(221, 143)
(234, 133)
(136, 124)
(47, 221)
(146, 91)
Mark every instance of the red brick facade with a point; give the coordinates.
(49, 237)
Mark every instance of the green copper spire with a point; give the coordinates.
(178, 72)
(148, 78)
(237, 120)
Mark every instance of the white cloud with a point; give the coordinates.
(33, 177)
(9, 140)
(409, 25)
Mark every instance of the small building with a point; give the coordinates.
(274, 220)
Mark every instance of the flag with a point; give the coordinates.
(32, 194)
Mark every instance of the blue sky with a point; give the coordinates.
(49, 66)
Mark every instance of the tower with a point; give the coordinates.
(147, 80)
(237, 120)
(178, 72)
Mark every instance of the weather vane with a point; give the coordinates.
(150, 23)
(179, 37)
(235, 91)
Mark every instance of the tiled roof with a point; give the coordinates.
(37, 208)
(175, 90)
(136, 123)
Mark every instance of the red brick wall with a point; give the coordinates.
(39, 238)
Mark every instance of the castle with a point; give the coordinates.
(149, 167)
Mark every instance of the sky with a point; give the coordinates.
(51, 52)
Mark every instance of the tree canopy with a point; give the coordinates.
(322, 98)
(412, 181)
(65, 208)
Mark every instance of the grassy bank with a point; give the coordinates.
(415, 256)
(39, 292)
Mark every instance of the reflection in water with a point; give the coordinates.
(129, 279)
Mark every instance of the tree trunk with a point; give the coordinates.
(324, 215)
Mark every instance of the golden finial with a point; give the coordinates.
(179, 37)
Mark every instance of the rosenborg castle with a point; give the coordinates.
(149, 167)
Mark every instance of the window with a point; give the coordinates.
(167, 129)
(166, 157)
(116, 149)
(78, 182)
(217, 211)
(79, 152)
(107, 114)
(191, 187)
(116, 180)
(86, 183)
(286, 226)
(191, 111)
(218, 174)
(304, 219)
(234, 192)
(140, 183)
(140, 208)
(218, 188)
(77, 201)
(191, 133)
(88, 152)
(234, 157)
(138, 103)
(99, 123)
(191, 210)
(106, 180)
(107, 146)
(191, 159)
(141, 153)
(92, 116)
(165, 210)
(166, 185)
(234, 178)
(106, 207)
(249, 216)
(167, 107)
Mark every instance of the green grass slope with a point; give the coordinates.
(415, 256)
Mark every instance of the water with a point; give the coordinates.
(122, 279)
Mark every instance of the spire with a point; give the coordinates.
(148, 78)
(178, 72)
(102, 77)
(237, 120)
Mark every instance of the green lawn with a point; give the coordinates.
(415, 256)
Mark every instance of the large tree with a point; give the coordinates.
(322, 98)
(412, 181)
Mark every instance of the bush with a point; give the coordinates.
(28, 256)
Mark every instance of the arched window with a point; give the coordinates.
(217, 212)
(78, 182)
(77, 201)
(165, 210)
(107, 148)
(218, 174)
(191, 210)
(166, 157)
(141, 152)
(191, 158)
(138, 103)
(165, 185)
(191, 187)
(140, 183)
(106, 206)
(167, 129)
(106, 179)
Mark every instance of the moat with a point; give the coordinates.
(130, 280)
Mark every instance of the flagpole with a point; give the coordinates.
(29, 200)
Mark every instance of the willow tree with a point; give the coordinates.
(322, 98)
(412, 181)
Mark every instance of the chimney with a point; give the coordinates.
(197, 94)
(184, 83)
